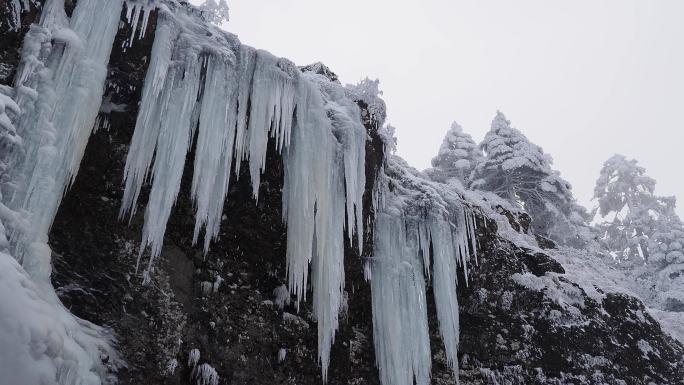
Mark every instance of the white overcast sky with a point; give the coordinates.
(584, 79)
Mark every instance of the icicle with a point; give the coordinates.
(352, 137)
(282, 353)
(176, 130)
(214, 151)
(472, 236)
(401, 255)
(272, 108)
(424, 240)
(133, 12)
(148, 123)
(400, 329)
(444, 283)
(367, 271)
(205, 374)
(246, 65)
(193, 358)
(313, 205)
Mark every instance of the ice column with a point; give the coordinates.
(59, 90)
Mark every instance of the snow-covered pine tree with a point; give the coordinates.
(666, 257)
(457, 158)
(627, 208)
(520, 171)
(666, 241)
(642, 231)
(666, 262)
(214, 11)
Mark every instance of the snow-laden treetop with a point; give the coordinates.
(457, 157)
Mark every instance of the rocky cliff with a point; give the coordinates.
(523, 319)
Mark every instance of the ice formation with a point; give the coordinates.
(205, 374)
(202, 83)
(134, 10)
(205, 90)
(59, 88)
(416, 220)
(171, 367)
(57, 95)
(282, 296)
(193, 358)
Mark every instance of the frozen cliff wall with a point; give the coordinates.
(217, 311)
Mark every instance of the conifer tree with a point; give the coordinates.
(627, 207)
(520, 171)
(214, 11)
(642, 231)
(457, 158)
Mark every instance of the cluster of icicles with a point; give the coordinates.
(205, 88)
(407, 234)
(231, 99)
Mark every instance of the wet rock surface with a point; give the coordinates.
(522, 320)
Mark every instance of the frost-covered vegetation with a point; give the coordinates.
(632, 235)
(642, 232)
(520, 171)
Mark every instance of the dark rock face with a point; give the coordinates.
(512, 332)
(320, 69)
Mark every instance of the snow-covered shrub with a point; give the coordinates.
(633, 222)
(368, 91)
